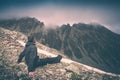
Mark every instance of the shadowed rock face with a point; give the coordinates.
(93, 45)
(90, 44)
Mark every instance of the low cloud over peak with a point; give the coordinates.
(54, 12)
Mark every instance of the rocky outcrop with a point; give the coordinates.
(25, 25)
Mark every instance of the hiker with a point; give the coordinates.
(32, 59)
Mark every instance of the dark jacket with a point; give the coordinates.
(30, 53)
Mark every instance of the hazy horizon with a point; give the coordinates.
(56, 12)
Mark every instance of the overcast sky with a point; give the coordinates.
(58, 12)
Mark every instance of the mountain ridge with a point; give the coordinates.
(90, 44)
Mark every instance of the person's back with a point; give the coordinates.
(30, 53)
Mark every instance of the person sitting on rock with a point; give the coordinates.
(32, 59)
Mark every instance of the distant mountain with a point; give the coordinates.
(25, 25)
(91, 44)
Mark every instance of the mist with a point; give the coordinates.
(58, 15)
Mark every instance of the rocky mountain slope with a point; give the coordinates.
(91, 44)
(10, 48)
(24, 25)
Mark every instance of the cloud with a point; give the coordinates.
(58, 15)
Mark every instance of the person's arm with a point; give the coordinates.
(21, 56)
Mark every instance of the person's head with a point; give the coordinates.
(31, 38)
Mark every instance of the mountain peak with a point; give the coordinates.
(90, 25)
(26, 25)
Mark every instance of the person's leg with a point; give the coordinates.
(45, 61)
(54, 59)
(41, 62)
